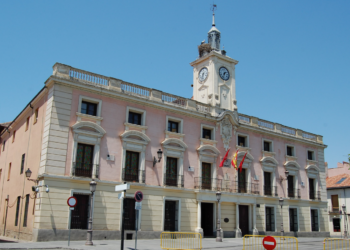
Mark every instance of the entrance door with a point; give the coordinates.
(242, 187)
(129, 214)
(244, 219)
(207, 219)
(80, 214)
(206, 176)
(170, 216)
(293, 220)
(267, 183)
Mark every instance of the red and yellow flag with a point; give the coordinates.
(234, 160)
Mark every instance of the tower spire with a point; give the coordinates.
(213, 8)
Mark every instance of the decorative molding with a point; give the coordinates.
(269, 161)
(207, 141)
(90, 117)
(129, 133)
(168, 141)
(99, 130)
(215, 151)
(130, 126)
(226, 132)
(169, 134)
(312, 169)
(268, 154)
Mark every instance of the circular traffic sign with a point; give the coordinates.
(138, 196)
(72, 201)
(269, 243)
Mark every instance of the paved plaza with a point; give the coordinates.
(208, 244)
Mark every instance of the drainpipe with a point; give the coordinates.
(7, 206)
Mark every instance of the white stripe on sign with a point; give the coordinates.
(269, 243)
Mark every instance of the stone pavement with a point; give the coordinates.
(208, 244)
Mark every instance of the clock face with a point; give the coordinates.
(224, 74)
(203, 73)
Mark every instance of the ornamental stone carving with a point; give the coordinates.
(226, 132)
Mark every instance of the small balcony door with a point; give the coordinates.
(171, 172)
(131, 171)
(291, 192)
(242, 185)
(312, 189)
(170, 221)
(206, 175)
(267, 183)
(83, 162)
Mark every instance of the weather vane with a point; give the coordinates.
(213, 8)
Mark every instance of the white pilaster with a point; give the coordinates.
(238, 230)
(199, 217)
(255, 230)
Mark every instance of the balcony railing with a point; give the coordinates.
(314, 195)
(294, 193)
(270, 190)
(238, 187)
(208, 183)
(173, 180)
(85, 169)
(131, 176)
(332, 209)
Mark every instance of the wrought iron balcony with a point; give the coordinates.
(270, 190)
(314, 195)
(213, 184)
(82, 169)
(133, 176)
(294, 193)
(237, 187)
(173, 180)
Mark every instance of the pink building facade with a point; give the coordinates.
(83, 126)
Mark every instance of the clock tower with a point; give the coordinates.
(214, 75)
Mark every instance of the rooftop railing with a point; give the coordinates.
(135, 89)
(86, 76)
(266, 124)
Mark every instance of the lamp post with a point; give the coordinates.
(281, 204)
(89, 231)
(159, 154)
(218, 229)
(345, 231)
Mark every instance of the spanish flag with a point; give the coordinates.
(234, 160)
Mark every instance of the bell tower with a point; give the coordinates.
(214, 74)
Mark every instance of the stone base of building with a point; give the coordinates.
(27, 236)
(229, 234)
(298, 234)
(77, 234)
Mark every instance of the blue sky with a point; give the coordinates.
(293, 55)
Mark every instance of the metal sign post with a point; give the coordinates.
(71, 202)
(117, 188)
(138, 206)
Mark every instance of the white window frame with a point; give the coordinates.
(318, 218)
(297, 208)
(271, 144)
(174, 119)
(275, 212)
(213, 131)
(165, 198)
(208, 158)
(243, 135)
(136, 110)
(313, 155)
(129, 196)
(293, 147)
(91, 100)
(80, 191)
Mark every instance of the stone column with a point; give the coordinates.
(199, 217)
(255, 230)
(238, 230)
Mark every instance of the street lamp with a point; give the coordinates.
(159, 154)
(89, 231)
(281, 204)
(345, 231)
(218, 229)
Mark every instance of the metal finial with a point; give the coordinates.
(213, 8)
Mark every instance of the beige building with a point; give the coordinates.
(83, 126)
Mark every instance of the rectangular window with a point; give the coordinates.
(17, 210)
(0, 173)
(270, 218)
(27, 123)
(129, 216)
(25, 218)
(336, 225)
(173, 126)
(293, 220)
(206, 133)
(9, 173)
(314, 220)
(290, 151)
(291, 191)
(242, 141)
(88, 108)
(135, 118)
(3, 145)
(36, 115)
(311, 189)
(335, 203)
(171, 172)
(267, 146)
(170, 216)
(310, 155)
(131, 171)
(206, 175)
(267, 183)
(83, 162)
(242, 184)
(22, 163)
(13, 136)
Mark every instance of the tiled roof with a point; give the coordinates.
(335, 181)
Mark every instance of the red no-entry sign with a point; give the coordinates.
(269, 243)
(72, 201)
(138, 196)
